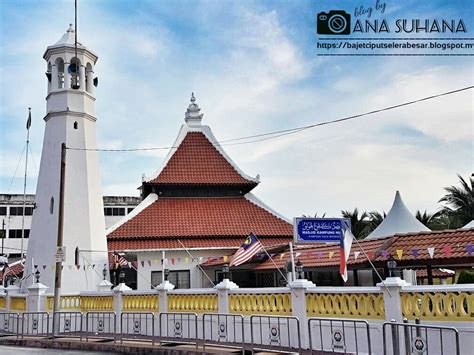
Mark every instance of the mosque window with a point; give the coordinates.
(75, 125)
(51, 205)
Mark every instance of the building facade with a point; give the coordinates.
(198, 206)
(11, 218)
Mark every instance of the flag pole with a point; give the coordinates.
(372, 265)
(163, 266)
(28, 125)
(197, 263)
(276, 266)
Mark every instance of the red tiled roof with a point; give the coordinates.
(197, 161)
(423, 273)
(202, 217)
(324, 255)
(143, 244)
(448, 244)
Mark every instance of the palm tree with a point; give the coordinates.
(315, 215)
(459, 201)
(375, 218)
(358, 223)
(425, 218)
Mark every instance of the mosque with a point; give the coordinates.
(195, 212)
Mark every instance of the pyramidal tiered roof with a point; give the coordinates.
(399, 220)
(200, 196)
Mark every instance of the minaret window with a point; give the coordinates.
(89, 78)
(51, 205)
(60, 69)
(74, 70)
(75, 125)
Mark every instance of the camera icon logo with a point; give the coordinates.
(334, 22)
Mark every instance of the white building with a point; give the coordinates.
(11, 216)
(70, 121)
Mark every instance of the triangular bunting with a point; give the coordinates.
(44, 267)
(149, 262)
(200, 259)
(431, 252)
(399, 254)
(356, 254)
(371, 254)
(415, 252)
(143, 263)
(447, 250)
(225, 258)
(469, 249)
(331, 254)
(384, 253)
(282, 255)
(186, 260)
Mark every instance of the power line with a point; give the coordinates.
(276, 134)
(17, 165)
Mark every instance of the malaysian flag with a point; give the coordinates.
(120, 261)
(250, 247)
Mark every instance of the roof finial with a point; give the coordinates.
(192, 115)
(71, 28)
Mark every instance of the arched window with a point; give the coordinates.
(74, 71)
(60, 69)
(51, 205)
(75, 124)
(89, 77)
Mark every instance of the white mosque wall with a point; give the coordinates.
(182, 262)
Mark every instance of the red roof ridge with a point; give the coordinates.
(259, 203)
(207, 132)
(149, 200)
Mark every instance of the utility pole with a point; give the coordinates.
(57, 278)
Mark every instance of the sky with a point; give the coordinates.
(254, 68)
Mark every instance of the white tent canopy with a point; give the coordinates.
(399, 220)
(469, 225)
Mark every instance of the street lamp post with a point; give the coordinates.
(391, 265)
(299, 270)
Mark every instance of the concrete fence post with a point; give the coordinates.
(118, 303)
(36, 300)
(391, 288)
(11, 290)
(223, 289)
(298, 290)
(163, 289)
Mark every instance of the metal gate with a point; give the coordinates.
(9, 323)
(275, 333)
(178, 327)
(100, 325)
(223, 329)
(34, 324)
(409, 338)
(339, 335)
(69, 324)
(137, 326)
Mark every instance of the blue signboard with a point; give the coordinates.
(320, 229)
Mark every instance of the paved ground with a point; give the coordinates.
(70, 346)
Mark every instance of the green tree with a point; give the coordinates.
(459, 202)
(426, 218)
(375, 218)
(358, 223)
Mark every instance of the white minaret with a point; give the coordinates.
(70, 118)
